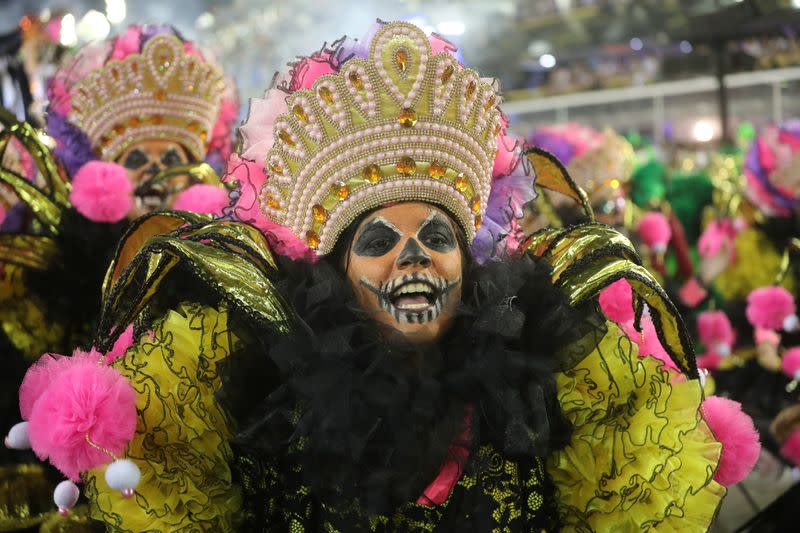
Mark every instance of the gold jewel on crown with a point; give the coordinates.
(161, 93)
(403, 125)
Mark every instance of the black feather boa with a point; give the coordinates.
(372, 420)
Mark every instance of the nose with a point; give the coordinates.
(413, 254)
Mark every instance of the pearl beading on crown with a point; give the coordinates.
(403, 125)
(161, 93)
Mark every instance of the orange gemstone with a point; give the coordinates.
(471, 86)
(135, 67)
(319, 213)
(436, 170)
(160, 94)
(406, 165)
(448, 73)
(407, 117)
(372, 173)
(476, 204)
(190, 88)
(300, 113)
(193, 127)
(203, 136)
(326, 95)
(119, 129)
(342, 192)
(461, 182)
(105, 141)
(286, 137)
(157, 120)
(275, 168)
(312, 239)
(355, 80)
(401, 58)
(272, 202)
(489, 103)
(134, 122)
(497, 130)
(478, 222)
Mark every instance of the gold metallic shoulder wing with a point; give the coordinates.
(551, 175)
(232, 259)
(590, 257)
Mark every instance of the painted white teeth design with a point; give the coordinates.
(413, 288)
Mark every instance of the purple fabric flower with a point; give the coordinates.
(73, 148)
(556, 145)
(151, 30)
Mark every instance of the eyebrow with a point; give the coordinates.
(435, 216)
(380, 220)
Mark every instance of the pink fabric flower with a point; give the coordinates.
(715, 234)
(309, 69)
(439, 44)
(128, 43)
(259, 128)
(250, 179)
(716, 332)
(59, 96)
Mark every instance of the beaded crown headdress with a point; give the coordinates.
(165, 91)
(402, 124)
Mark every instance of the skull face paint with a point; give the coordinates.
(405, 266)
(146, 159)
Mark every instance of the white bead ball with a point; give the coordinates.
(790, 323)
(660, 247)
(123, 474)
(17, 438)
(723, 349)
(66, 495)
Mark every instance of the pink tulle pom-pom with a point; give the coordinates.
(38, 378)
(102, 192)
(738, 435)
(716, 332)
(616, 300)
(769, 307)
(791, 448)
(202, 198)
(790, 362)
(121, 345)
(716, 233)
(85, 400)
(655, 231)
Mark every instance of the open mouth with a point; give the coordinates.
(415, 298)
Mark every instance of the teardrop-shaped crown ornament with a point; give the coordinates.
(402, 124)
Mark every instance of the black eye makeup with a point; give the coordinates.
(171, 158)
(437, 234)
(135, 159)
(376, 239)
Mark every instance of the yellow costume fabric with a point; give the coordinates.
(640, 455)
(640, 458)
(757, 264)
(181, 442)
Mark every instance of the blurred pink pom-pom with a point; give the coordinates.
(202, 198)
(716, 332)
(85, 399)
(790, 362)
(738, 435)
(714, 235)
(128, 43)
(791, 448)
(616, 300)
(121, 345)
(102, 192)
(770, 308)
(655, 231)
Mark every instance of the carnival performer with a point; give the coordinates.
(346, 359)
(135, 119)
